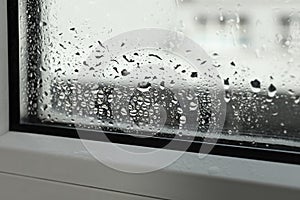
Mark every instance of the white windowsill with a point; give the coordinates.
(66, 160)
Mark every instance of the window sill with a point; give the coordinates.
(66, 160)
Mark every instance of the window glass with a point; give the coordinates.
(228, 68)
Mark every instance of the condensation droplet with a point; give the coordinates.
(255, 86)
(272, 90)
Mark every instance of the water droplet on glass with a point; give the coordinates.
(124, 111)
(272, 90)
(226, 84)
(256, 86)
(193, 106)
(182, 120)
